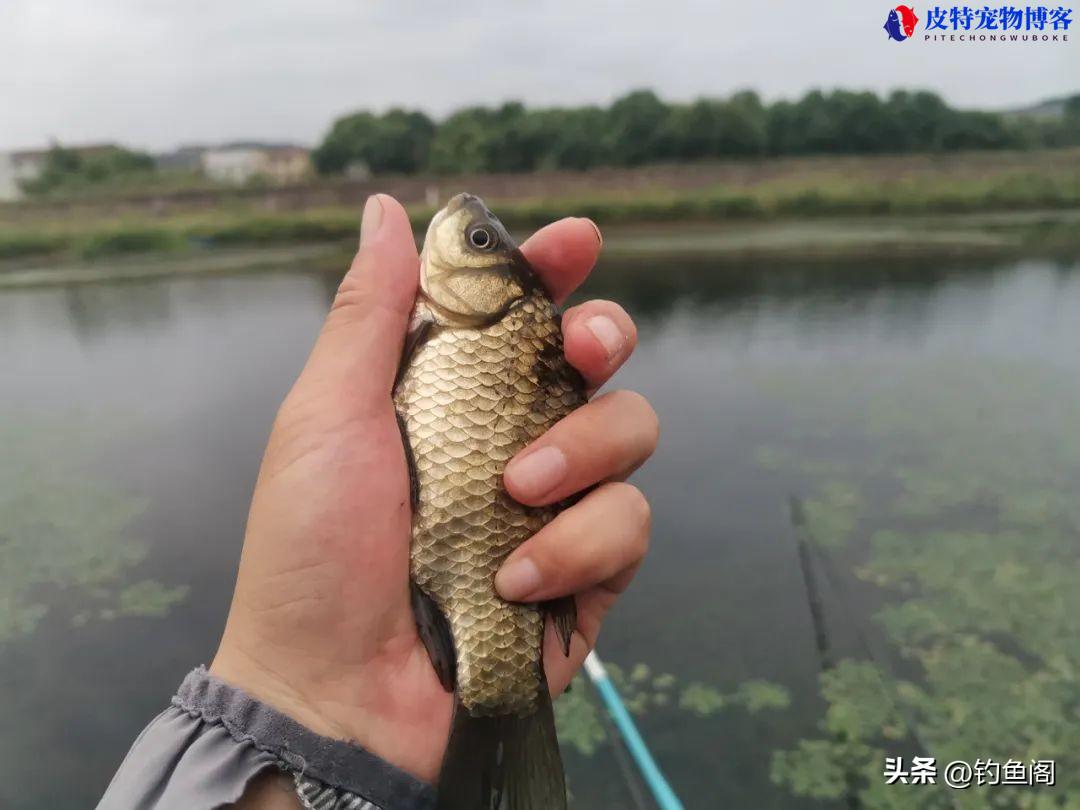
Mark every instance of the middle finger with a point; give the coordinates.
(598, 337)
(602, 440)
(598, 540)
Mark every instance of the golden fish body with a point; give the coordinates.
(483, 375)
(471, 399)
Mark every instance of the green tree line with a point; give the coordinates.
(70, 170)
(642, 128)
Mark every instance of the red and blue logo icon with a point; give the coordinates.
(900, 24)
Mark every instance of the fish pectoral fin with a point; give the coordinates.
(434, 631)
(420, 326)
(410, 463)
(563, 613)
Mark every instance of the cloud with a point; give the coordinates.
(156, 74)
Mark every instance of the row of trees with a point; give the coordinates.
(70, 169)
(641, 128)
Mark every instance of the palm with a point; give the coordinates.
(349, 580)
(321, 623)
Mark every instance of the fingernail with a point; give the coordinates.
(596, 228)
(537, 473)
(372, 218)
(517, 579)
(605, 331)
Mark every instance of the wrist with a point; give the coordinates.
(317, 762)
(237, 668)
(402, 738)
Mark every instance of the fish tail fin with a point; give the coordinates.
(503, 762)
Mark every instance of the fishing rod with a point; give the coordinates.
(806, 537)
(880, 666)
(640, 796)
(797, 514)
(661, 790)
(813, 594)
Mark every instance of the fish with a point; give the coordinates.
(908, 19)
(893, 26)
(482, 375)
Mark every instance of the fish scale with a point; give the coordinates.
(483, 375)
(470, 399)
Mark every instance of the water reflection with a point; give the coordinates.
(652, 291)
(96, 309)
(926, 412)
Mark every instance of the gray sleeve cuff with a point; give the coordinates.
(214, 739)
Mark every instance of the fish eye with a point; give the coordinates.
(482, 238)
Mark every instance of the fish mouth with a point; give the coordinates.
(466, 202)
(459, 201)
(453, 205)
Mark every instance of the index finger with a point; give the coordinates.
(563, 253)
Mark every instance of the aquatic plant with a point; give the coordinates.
(972, 538)
(582, 725)
(66, 532)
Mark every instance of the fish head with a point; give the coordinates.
(471, 271)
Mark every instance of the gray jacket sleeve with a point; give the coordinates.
(203, 750)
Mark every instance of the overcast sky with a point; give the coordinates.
(158, 73)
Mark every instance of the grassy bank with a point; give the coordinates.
(635, 248)
(91, 237)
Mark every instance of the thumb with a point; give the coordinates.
(356, 356)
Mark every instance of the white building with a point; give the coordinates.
(17, 168)
(25, 165)
(240, 164)
(232, 165)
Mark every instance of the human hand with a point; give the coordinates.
(321, 625)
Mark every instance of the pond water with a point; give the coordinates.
(865, 522)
